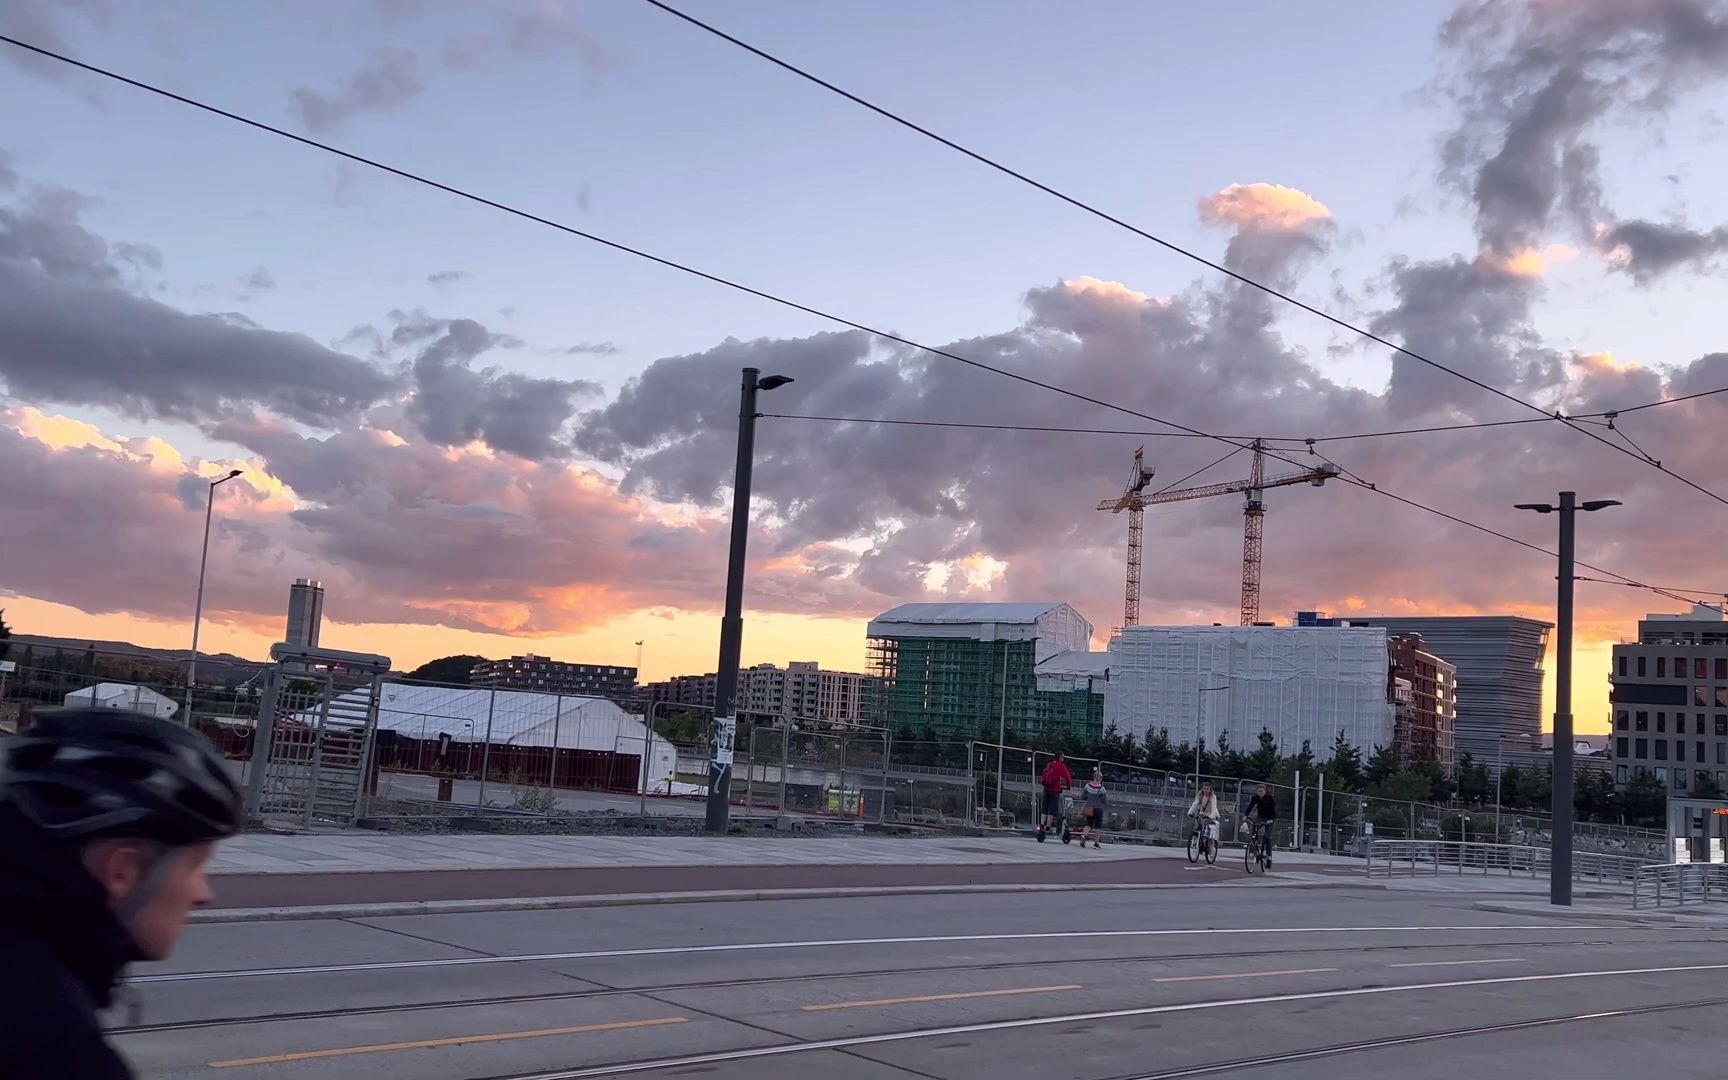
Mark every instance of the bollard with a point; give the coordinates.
(446, 788)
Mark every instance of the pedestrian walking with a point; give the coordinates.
(1094, 799)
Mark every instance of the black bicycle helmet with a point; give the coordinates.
(87, 774)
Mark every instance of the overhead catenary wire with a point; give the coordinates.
(1168, 245)
(717, 279)
(1070, 430)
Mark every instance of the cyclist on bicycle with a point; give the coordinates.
(1204, 809)
(1263, 811)
(1056, 780)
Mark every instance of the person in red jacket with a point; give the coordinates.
(1056, 780)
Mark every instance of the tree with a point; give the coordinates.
(453, 670)
(1511, 778)
(1440, 785)
(1229, 762)
(1263, 763)
(90, 659)
(1474, 785)
(5, 635)
(1344, 771)
(1706, 787)
(1159, 754)
(1593, 797)
(1385, 764)
(1645, 801)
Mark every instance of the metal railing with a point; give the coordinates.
(1412, 858)
(1680, 883)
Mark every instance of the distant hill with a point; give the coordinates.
(212, 667)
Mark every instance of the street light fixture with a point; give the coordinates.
(198, 608)
(1560, 840)
(732, 622)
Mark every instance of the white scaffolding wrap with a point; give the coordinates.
(1296, 682)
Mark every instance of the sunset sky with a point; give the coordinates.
(488, 436)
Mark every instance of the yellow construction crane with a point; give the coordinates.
(1135, 500)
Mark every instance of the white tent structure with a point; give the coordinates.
(111, 695)
(519, 718)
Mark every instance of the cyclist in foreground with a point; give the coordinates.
(1263, 811)
(107, 818)
(1204, 809)
(1056, 780)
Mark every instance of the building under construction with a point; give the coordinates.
(972, 670)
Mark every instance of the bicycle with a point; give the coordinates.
(1254, 855)
(1203, 841)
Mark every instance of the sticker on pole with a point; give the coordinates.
(725, 729)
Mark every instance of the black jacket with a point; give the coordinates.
(1266, 809)
(63, 951)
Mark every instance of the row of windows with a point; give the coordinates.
(1640, 721)
(1699, 666)
(1623, 774)
(1625, 747)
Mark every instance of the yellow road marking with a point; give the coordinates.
(421, 1044)
(1461, 963)
(941, 997)
(1244, 975)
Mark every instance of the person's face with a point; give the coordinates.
(1205, 789)
(1262, 791)
(122, 867)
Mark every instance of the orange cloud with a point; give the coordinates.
(1263, 206)
(1529, 263)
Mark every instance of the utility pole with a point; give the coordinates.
(198, 608)
(732, 622)
(1560, 839)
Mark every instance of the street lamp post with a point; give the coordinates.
(732, 622)
(1560, 840)
(198, 608)
(1199, 741)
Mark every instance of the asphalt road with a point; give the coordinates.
(1068, 866)
(1286, 983)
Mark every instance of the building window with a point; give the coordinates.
(1722, 753)
(1721, 724)
(1620, 666)
(1722, 697)
(1679, 667)
(1620, 720)
(1640, 667)
(1679, 749)
(1661, 749)
(1621, 746)
(1698, 725)
(1661, 721)
(1722, 669)
(1698, 756)
(1700, 695)
(1642, 721)
(1661, 667)
(1620, 772)
(1700, 667)
(1679, 779)
(1661, 775)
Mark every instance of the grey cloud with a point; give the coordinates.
(40, 22)
(260, 278)
(390, 79)
(8, 177)
(548, 27)
(75, 334)
(518, 414)
(1536, 79)
(445, 277)
(592, 348)
(1650, 249)
(1475, 320)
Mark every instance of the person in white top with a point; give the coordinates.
(1205, 804)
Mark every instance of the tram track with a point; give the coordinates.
(604, 991)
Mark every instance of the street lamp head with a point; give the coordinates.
(1540, 508)
(772, 382)
(1599, 504)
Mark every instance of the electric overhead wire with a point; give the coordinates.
(526, 215)
(1173, 485)
(1168, 245)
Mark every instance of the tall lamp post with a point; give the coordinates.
(198, 608)
(1560, 840)
(732, 622)
(1198, 740)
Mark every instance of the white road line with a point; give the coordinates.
(1460, 963)
(1075, 1018)
(1242, 975)
(765, 946)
